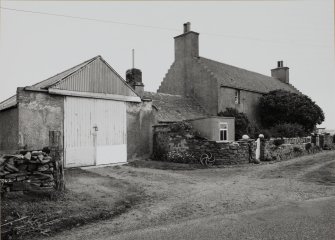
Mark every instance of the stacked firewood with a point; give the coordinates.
(26, 170)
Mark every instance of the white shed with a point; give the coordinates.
(94, 109)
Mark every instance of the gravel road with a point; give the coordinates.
(176, 197)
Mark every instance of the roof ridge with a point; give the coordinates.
(82, 63)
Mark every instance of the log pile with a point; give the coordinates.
(27, 170)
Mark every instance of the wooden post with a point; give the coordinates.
(56, 154)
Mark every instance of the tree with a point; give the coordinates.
(241, 121)
(287, 130)
(279, 107)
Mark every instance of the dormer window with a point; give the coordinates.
(237, 96)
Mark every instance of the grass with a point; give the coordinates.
(46, 213)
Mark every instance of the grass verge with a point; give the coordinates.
(37, 214)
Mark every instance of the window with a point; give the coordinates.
(237, 96)
(223, 132)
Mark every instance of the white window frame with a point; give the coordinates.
(224, 130)
(237, 96)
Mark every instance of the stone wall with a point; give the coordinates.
(186, 147)
(287, 148)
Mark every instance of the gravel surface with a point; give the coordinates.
(183, 195)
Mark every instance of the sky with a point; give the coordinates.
(249, 34)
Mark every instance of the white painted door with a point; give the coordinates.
(94, 132)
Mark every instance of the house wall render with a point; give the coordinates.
(140, 120)
(248, 102)
(38, 113)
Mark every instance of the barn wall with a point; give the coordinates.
(140, 120)
(38, 113)
(9, 130)
(248, 102)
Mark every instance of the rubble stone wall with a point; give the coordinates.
(27, 170)
(187, 148)
(287, 148)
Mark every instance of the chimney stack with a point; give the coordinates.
(134, 79)
(281, 72)
(186, 45)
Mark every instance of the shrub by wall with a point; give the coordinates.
(283, 149)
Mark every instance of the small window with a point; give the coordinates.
(223, 132)
(237, 96)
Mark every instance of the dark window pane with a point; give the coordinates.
(224, 135)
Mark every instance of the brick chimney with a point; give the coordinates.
(134, 79)
(186, 45)
(281, 72)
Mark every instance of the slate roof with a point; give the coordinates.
(240, 78)
(172, 108)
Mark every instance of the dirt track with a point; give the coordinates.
(173, 196)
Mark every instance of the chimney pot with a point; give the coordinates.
(187, 27)
(280, 64)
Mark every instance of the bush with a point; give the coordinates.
(181, 127)
(242, 123)
(278, 107)
(278, 142)
(308, 146)
(287, 130)
(253, 130)
(297, 150)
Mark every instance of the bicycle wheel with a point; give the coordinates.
(203, 159)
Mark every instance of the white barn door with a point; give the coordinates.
(94, 132)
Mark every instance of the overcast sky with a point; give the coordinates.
(251, 35)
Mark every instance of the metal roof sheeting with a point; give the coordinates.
(10, 102)
(94, 75)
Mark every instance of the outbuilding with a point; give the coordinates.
(101, 118)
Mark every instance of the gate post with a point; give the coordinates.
(56, 154)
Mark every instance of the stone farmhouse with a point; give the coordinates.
(105, 119)
(216, 86)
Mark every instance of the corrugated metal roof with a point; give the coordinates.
(96, 76)
(172, 108)
(240, 78)
(60, 76)
(93, 75)
(10, 102)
